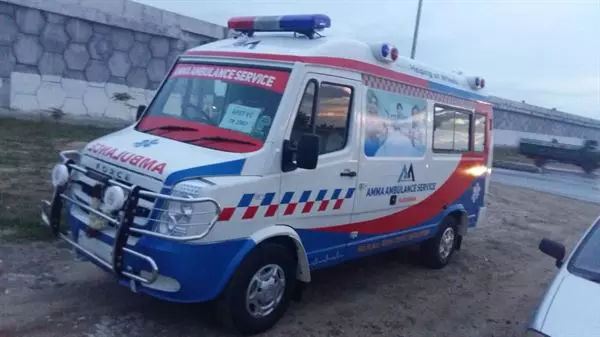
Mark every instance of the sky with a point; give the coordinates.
(544, 52)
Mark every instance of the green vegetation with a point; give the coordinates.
(28, 150)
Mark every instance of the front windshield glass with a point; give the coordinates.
(586, 259)
(228, 108)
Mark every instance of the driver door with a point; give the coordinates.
(313, 201)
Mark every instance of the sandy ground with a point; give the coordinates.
(490, 289)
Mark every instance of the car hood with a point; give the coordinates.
(574, 308)
(161, 157)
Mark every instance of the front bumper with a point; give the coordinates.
(52, 220)
(134, 260)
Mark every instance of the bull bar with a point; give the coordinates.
(51, 217)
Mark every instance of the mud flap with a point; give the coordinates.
(459, 239)
(298, 291)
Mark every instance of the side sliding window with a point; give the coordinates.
(451, 129)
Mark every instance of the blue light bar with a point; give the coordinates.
(304, 22)
(287, 23)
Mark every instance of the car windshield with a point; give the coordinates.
(586, 259)
(227, 108)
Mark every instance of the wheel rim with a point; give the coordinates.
(265, 290)
(447, 243)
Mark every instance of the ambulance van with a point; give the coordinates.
(271, 154)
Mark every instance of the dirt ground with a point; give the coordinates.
(490, 289)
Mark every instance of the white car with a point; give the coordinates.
(570, 306)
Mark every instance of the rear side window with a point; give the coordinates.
(479, 133)
(451, 129)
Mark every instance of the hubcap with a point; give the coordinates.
(265, 290)
(447, 243)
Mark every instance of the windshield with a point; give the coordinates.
(228, 108)
(586, 259)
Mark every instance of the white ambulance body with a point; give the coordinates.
(269, 155)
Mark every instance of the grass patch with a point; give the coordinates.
(28, 150)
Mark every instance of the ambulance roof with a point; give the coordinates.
(343, 53)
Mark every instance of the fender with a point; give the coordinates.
(303, 271)
(463, 225)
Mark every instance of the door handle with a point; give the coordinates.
(348, 173)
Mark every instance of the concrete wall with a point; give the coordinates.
(515, 120)
(74, 55)
(510, 138)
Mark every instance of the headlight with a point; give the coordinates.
(114, 198)
(186, 218)
(60, 175)
(477, 171)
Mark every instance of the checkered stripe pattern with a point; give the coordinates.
(305, 202)
(409, 90)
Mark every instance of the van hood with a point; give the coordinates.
(160, 157)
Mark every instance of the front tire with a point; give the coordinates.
(438, 250)
(260, 290)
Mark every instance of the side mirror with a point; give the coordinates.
(303, 155)
(307, 153)
(553, 249)
(140, 111)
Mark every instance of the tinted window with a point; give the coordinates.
(451, 131)
(462, 123)
(332, 116)
(443, 130)
(586, 261)
(304, 121)
(479, 133)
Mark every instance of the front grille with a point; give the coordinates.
(82, 186)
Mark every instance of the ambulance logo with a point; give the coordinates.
(146, 143)
(407, 174)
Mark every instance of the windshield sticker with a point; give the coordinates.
(240, 118)
(268, 79)
(264, 122)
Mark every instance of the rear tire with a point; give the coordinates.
(438, 250)
(259, 291)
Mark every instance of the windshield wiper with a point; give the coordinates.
(220, 139)
(171, 128)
